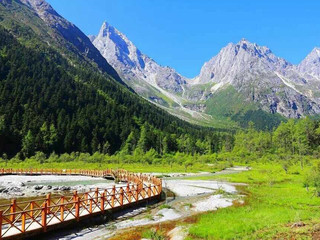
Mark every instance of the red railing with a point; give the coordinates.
(19, 218)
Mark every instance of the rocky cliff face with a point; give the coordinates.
(311, 64)
(139, 71)
(242, 59)
(271, 82)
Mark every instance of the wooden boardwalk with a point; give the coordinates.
(22, 219)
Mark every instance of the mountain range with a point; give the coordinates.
(243, 82)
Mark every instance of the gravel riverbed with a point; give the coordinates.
(15, 186)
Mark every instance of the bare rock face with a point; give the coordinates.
(264, 78)
(238, 60)
(311, 64)
(133, 65)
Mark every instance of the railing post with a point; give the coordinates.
(102, 201)
(48, 200)
(62, 209)
(149, 190)
(128, 193)
(113, 196)
(96, 195)
(13, 209)
(121, 196)
(23, 222)
(77, 209)
(75, 195)
(44, 217)
(137, 192)
(90, 207)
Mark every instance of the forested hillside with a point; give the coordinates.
(47, 105)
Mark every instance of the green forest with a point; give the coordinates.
(49, 106)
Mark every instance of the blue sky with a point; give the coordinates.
(184, 34)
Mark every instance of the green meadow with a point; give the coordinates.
(274, 201)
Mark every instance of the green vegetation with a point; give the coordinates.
(275, 200)
(139, 163)
(283, 186)
(230, 104)
(165, 206)
(153, 234)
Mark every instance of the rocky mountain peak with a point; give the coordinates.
(311, 64)
(243, 56)
(105, 29)
(117, 48)
(132, 64)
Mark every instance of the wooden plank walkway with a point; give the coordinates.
(19, 219)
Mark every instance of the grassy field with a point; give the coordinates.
(275, 201)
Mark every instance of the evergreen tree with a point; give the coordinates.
(28, 144)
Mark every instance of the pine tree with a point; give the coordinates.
(28, 144)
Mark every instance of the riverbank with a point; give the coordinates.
(187, 198)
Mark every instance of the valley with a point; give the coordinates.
(101, 141)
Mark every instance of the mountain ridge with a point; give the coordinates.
(265, 80)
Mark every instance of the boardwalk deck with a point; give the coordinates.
(20, 219)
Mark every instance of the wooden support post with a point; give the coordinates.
(78, 209)
(48, 200)
(23, 222)
(121, 196)
(102, 201)
(128, 193)
(31, 208)
(149, 190)
(96, 195)
(44, 217)
(113, 196)
(13, 209)
(62, 209)
(75, 195)
(137, 192)
(90, 207)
